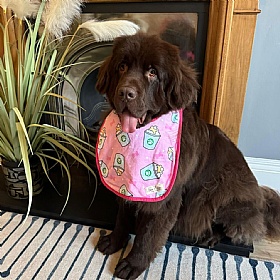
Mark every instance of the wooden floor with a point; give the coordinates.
(266, 250)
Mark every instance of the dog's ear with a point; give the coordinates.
(182, 86)
(103, 77)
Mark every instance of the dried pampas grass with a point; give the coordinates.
(22, 8)
(4, 4)
(59, 14)
(108, 30)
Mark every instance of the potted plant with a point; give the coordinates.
(30, 70)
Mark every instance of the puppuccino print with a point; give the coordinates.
(140, 166)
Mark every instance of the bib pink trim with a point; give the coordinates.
(140, 166)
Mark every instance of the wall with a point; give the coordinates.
(260, 126)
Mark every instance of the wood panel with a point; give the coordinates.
(230, 103)
(220, 16)
(228, 52)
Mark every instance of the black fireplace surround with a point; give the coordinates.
(183, 23)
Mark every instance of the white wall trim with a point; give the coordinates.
(267, 171)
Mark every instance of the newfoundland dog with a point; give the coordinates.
(171, 172)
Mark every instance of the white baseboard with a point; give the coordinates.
(267, 171)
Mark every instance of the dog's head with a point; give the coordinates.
(145, 78)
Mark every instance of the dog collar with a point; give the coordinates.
(140, 166)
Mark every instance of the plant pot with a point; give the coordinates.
(15, 178)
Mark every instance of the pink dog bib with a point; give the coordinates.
(140, 166)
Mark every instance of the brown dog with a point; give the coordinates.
(215, 193)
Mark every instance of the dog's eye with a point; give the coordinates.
(152, 72)
(122, 67)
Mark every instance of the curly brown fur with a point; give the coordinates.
(215, 193)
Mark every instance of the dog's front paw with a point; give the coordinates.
(125, 270)
(211, 241)
(214, 240)
(108, 244)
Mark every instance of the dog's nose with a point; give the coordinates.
(127, 93)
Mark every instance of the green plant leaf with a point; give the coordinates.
(6, 148)
(41, 157)
(23, 127)
(26, 164)
(64, 98)
(64, 166)
(5, 122)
